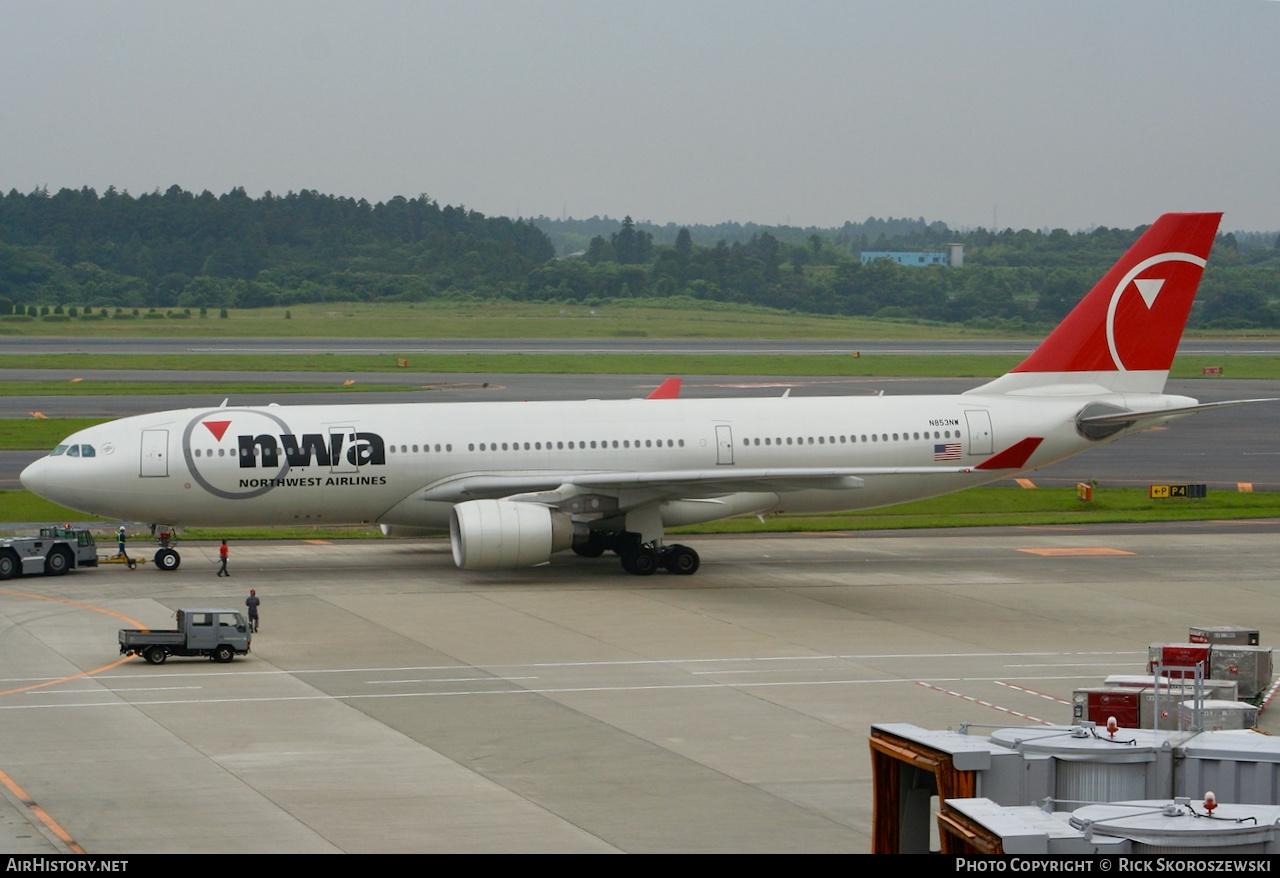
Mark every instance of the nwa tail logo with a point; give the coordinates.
(362, 449)
(244, 453)
(1132, 319)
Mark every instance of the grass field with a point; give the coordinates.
(638, 318)
(495, 319)
(39, 433)
(979, 507)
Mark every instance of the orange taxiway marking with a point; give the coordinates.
(41, 814)
(54, 826)
(133, 623)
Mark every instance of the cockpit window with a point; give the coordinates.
(74, 451)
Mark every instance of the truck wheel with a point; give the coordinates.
(57, 563)
(224, 654)
(156, 655)
(167, 559)
(10, 566)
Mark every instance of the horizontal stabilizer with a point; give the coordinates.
(1125, 419)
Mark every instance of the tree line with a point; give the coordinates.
(75, 252)
(186, 250)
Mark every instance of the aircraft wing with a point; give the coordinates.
(547, 486)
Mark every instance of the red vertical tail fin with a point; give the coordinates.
(1124, 333)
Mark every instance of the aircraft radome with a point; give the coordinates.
(515, 482)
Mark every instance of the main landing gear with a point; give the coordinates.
(640, 559)
(677, 559)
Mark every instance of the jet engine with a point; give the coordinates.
(492, 534)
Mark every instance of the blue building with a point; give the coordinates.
(953, 256)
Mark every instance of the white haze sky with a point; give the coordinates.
(1042, 114)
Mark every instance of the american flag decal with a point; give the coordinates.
(949, 451)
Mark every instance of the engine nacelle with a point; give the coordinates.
(493, 534)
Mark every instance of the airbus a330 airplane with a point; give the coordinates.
(514, 483)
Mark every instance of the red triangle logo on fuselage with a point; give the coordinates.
(217, 428)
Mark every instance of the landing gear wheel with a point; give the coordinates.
(641, 563)
(223, 654)
(168, 559)
(155, 655)
(57, 563)
(682, 561)
(9, 565)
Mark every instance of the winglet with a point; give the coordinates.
(669, 389)
(1013, 457)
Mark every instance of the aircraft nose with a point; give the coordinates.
(33, 477)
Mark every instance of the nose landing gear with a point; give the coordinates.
(167, 558)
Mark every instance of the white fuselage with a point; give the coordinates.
(350, 464)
